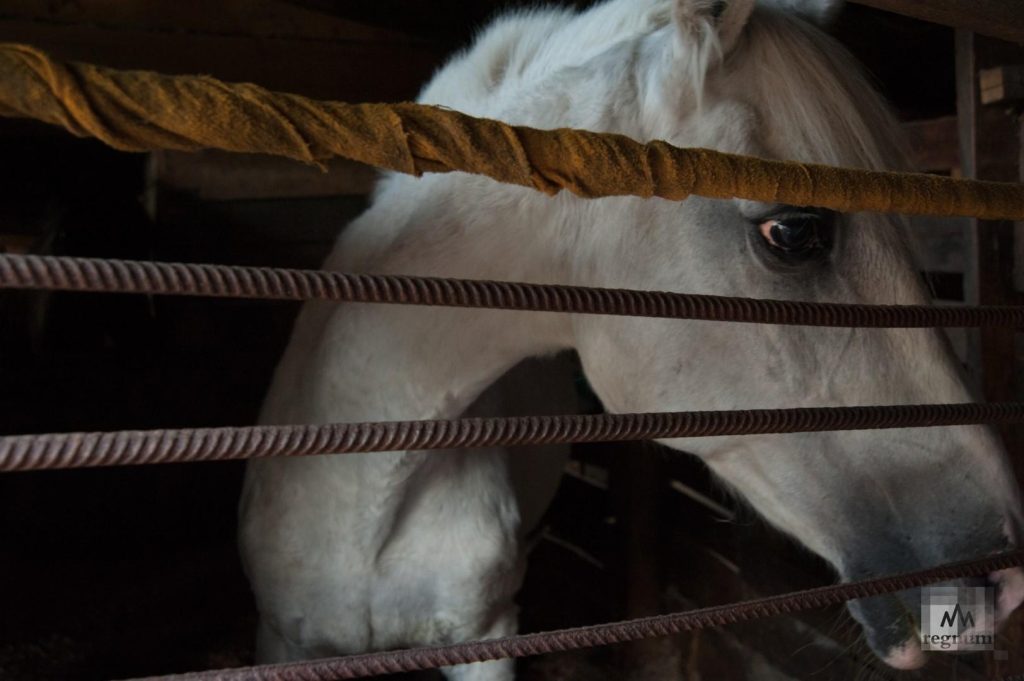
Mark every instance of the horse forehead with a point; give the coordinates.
(729, 125)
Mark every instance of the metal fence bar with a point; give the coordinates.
(119, 448)
(372, 664)
(127, 276)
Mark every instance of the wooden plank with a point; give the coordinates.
(637, 488)
(253, 18)
(19, 244)
(221, 176)
(992, 356)
(352, 70)
(989, 244)
(988, 280)
(451, 21)
(989, 255)
(1018, 228)
(1002, 85)
(1013, 636)
(637, 485)
(1002, 19)
(933, 144)
(998, 18)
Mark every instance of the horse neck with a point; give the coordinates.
(354, 362)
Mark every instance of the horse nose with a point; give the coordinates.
(1009, 585)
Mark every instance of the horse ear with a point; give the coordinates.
(726, 17)
(821, 12)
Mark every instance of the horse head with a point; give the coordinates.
(762, 80)
(343, 551)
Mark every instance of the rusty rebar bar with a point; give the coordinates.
(126, 276)
(80, 450)
(390, 662)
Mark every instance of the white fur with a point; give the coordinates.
(908, 656)
(363, 552)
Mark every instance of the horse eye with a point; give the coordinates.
(794, 234)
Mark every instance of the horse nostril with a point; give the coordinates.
(1009, 591)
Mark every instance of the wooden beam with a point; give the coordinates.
(1002, 19)
(221, 176)
(989, 266)
(268, 43)
(935, 146)
(1018, 227)
(637, 485)
(252, 18)
(451, 22)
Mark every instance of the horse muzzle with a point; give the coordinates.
(895, 632)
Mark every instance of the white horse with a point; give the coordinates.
(355, 553)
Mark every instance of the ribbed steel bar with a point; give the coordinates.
(127, 276)
(997, 18)
(79, 450)
(372, 664)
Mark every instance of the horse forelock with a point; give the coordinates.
(815, 103)
(521, 48)
(812, 99)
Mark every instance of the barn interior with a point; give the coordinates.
(128, 572)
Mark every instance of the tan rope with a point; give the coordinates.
(143, 111)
